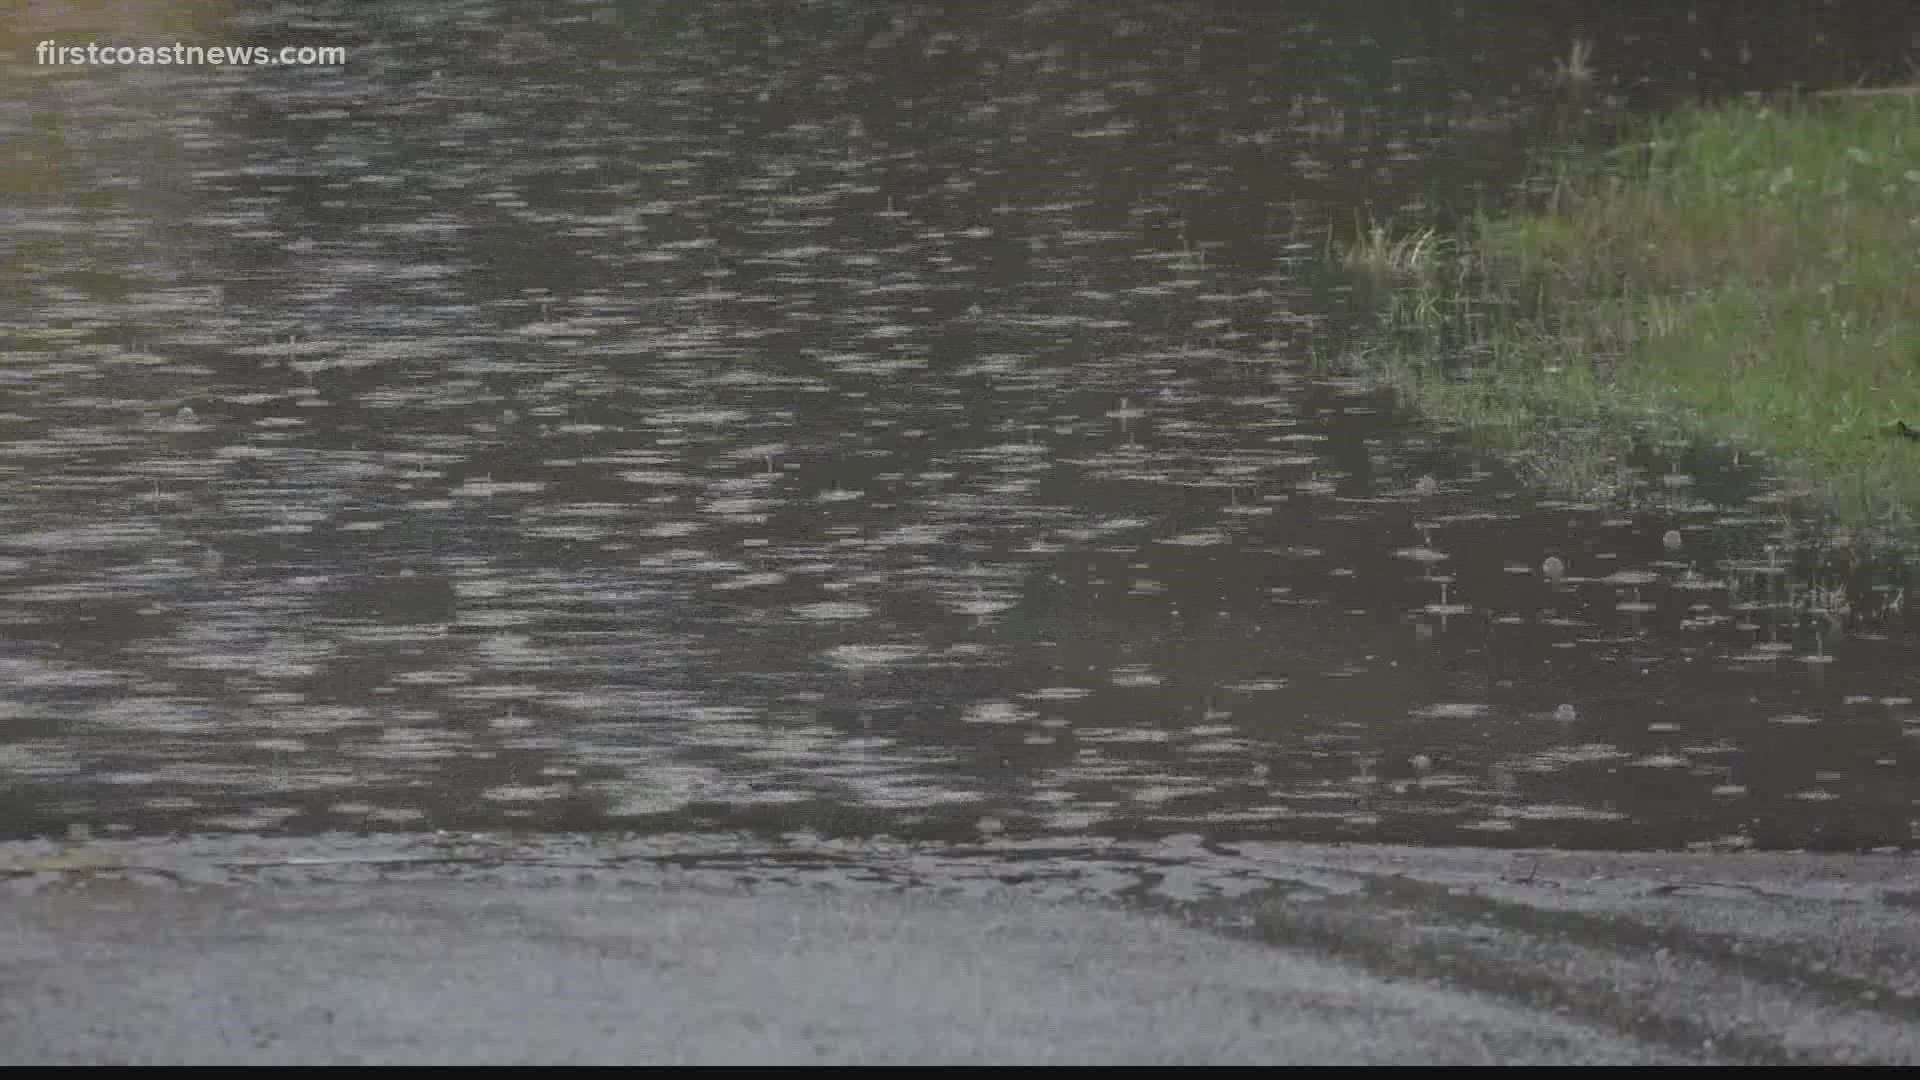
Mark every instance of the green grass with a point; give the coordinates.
(1748, 274)
(1380, 253)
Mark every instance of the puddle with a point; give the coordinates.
(878, 423)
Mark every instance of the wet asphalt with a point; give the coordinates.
(371, 953)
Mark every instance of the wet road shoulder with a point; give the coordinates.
(732, 950)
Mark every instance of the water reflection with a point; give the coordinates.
(846, 417)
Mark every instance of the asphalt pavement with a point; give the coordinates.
(715, 951)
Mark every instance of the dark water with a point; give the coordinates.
(874, 418)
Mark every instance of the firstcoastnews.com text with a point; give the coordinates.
(53, 54)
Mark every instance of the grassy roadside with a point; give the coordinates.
(1747, 274)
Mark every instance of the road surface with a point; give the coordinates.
(730, 951)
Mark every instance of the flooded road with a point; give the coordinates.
(862, 419)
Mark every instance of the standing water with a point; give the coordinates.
(862, 418)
